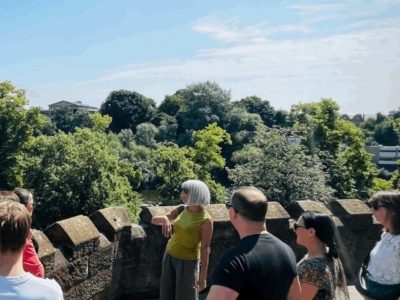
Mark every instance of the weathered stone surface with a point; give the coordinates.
(141, 279)
(45, 250)
(53, 262)
(45, 246)
(130, 267)
(218, 212)
(110, 221)
(148, 212)
(72, 273)
(276, 211)
(95, 285)
(102, 259)
(138, 232)
(103, 241)
(352, 207)
(296, 208)
(352, 211)
(72, 232)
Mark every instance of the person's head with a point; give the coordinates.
(8, 195)
(15, 224)
(195, 192)
(25, 198)
(314, 227)
(385, 207)
(250, 203)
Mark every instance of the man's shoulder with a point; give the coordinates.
(35, 286)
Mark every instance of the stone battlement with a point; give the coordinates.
(105, 256)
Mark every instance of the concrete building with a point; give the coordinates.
(385, 156)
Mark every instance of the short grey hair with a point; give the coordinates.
(199, 194)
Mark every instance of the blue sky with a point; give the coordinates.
(282, 51)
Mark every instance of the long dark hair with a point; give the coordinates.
(391, 201)
(325, 230)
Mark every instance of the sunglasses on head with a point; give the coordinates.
(228, 205)
(295, 226)
(375, 205)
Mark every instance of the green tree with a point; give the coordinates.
(127, 109)
(256, 105)
(174, 165)
(140, 157)
(167, 129)
(17, 126)
(339, 144)
(67, 119)
(242, 127)
(386, 133)
(207, 149)
(145, 135)
(204, 103)
(171, 105)
(282, 170)
(380, 184)
(77, 174)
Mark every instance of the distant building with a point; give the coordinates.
(385, 156)
(76, 106)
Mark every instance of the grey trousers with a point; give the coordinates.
(178, 278)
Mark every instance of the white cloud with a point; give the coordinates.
(360, 70)
(229, 31)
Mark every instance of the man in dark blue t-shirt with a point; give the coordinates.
(260, 266)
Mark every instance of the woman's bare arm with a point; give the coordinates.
(206, 234)
(164, 221)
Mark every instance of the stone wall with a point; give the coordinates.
(104, 256)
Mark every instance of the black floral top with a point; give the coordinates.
(327, 275)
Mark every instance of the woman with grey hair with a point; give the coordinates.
(189, 244)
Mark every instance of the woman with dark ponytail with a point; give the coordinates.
(320, 271)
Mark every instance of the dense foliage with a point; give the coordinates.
(281, 169)
(77, 173)
(76, 162)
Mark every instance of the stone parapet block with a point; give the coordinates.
(45, 250)
(297, 208)
(218, 212)
(352, 211)
(102, 259)
(71, 274)
(72, 232)
(88, 289)
(111, 221)
(148, 212)
(45, 247)
(76, 236)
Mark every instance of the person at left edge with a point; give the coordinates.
(30, 259)
(181, 278)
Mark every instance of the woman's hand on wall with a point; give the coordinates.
(166, 227)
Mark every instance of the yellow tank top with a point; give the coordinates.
(185, 242)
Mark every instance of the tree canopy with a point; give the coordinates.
(282, 170)
(17, 126)
(127, 109)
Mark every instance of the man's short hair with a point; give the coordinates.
(15, 224)
(251, 203)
